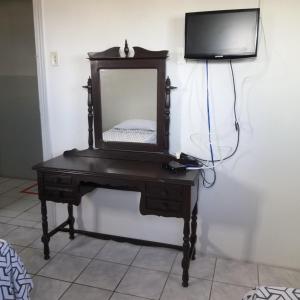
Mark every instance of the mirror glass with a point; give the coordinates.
(129, 105)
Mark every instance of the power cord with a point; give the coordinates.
(207, 183)
(236, 123)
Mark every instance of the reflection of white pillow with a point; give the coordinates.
(137, 124)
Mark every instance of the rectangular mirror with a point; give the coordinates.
(129, 105)
(129, 102)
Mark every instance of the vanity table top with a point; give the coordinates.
(116, 168)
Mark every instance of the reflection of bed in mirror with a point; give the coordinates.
(129, 105)
(133, 131)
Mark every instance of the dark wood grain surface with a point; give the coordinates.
(116, 168)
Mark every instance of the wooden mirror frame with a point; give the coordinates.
(142, 59)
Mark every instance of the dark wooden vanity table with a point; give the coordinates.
(117, 114)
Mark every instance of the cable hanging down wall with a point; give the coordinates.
(210, 164)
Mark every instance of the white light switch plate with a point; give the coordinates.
(54, 59)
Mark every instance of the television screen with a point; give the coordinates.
(223, 34)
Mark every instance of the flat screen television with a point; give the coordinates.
(223, 34)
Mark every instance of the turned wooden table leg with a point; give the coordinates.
(186, 252)
(194, 232)
(45, 237)
(71, 220)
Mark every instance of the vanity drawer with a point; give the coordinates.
(162, 207)
(58, 194)
(58, 179)
(171, 192)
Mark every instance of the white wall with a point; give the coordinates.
(252, 211)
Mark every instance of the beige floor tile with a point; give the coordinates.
(5, 201)
(4, 212)
(57, 242)
(5, 219)
(198, 289)
(274, 276)
(14, 193)
(143, 283)
(122, 253)
(84, 246)
(27, 216)
(236, 272)
(17, 248)
(155, 258)
(22, 204)
(33, 259)
(6, 229)
(118, 296)
(2, 179)
(23, 223)
(202, 267)
(64, 267)
(102, 274)
(23, 236)
(221, 291)
(47, 289)
(7, 185)
(81, 292)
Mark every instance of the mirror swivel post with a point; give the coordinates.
(90, 113)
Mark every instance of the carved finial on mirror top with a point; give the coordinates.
(126, 49)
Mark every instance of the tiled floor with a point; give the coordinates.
(91, 269)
